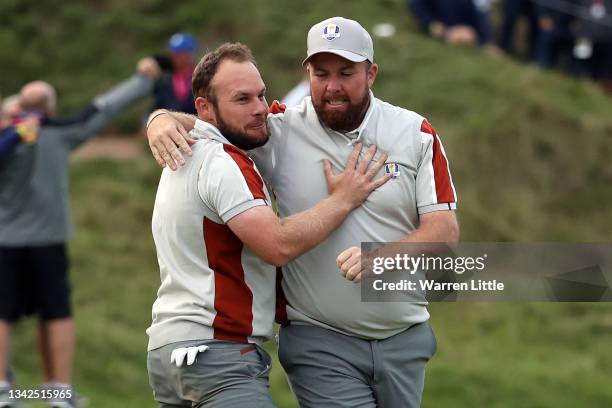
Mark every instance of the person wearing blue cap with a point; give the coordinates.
(173, 90)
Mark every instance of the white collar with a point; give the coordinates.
(204, 130)
(366, 118)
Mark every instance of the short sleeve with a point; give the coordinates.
(434, 185)
(229, 183)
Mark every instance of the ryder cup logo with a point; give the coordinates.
(331, 32)
(392, 169)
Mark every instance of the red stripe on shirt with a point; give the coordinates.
(444, 188)
(233, 298)
(244, 162)
(281, 301)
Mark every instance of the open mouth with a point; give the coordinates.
(336, 103)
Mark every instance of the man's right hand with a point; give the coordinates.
(355, 183)
(167, 138)
(148, 67)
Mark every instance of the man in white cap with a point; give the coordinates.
(337, 350)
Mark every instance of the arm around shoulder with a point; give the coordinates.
(168, 136)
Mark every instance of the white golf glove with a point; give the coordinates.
(178, 355)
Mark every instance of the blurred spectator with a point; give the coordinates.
(513, 10)
(24, 131)
(9, 111)
(9, 138)
(555, 42)
(173, 90)
(454, 21)
(35, 225)
(594, 41)
(15, 126)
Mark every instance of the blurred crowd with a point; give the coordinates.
(22, 114)
(574, 36)
(35, 226)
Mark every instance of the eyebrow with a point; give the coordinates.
(342, 68)
(241, 92)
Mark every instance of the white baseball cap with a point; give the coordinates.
(340, 36)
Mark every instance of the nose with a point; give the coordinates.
(333, 84)
(261, 107)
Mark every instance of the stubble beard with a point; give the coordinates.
(238, 137)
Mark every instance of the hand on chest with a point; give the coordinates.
(300, 179)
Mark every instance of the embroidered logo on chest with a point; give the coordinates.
(393, 169)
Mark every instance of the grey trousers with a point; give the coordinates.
(331, 370)
(227, 375)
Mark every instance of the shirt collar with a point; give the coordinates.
(204, 130)
(366, 118)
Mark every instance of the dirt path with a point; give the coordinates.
(111, 146)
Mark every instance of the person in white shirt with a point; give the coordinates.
(218, 241)
(336, 349)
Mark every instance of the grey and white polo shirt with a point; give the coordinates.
(212, 285)
(292, 161)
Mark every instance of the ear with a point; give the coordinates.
(372, 74)
(309, 70)
(206, 110)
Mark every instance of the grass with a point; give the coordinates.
(499, 355)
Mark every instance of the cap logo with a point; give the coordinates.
(331, 32)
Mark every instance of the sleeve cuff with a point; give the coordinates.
(437, 207)
(240, 208)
